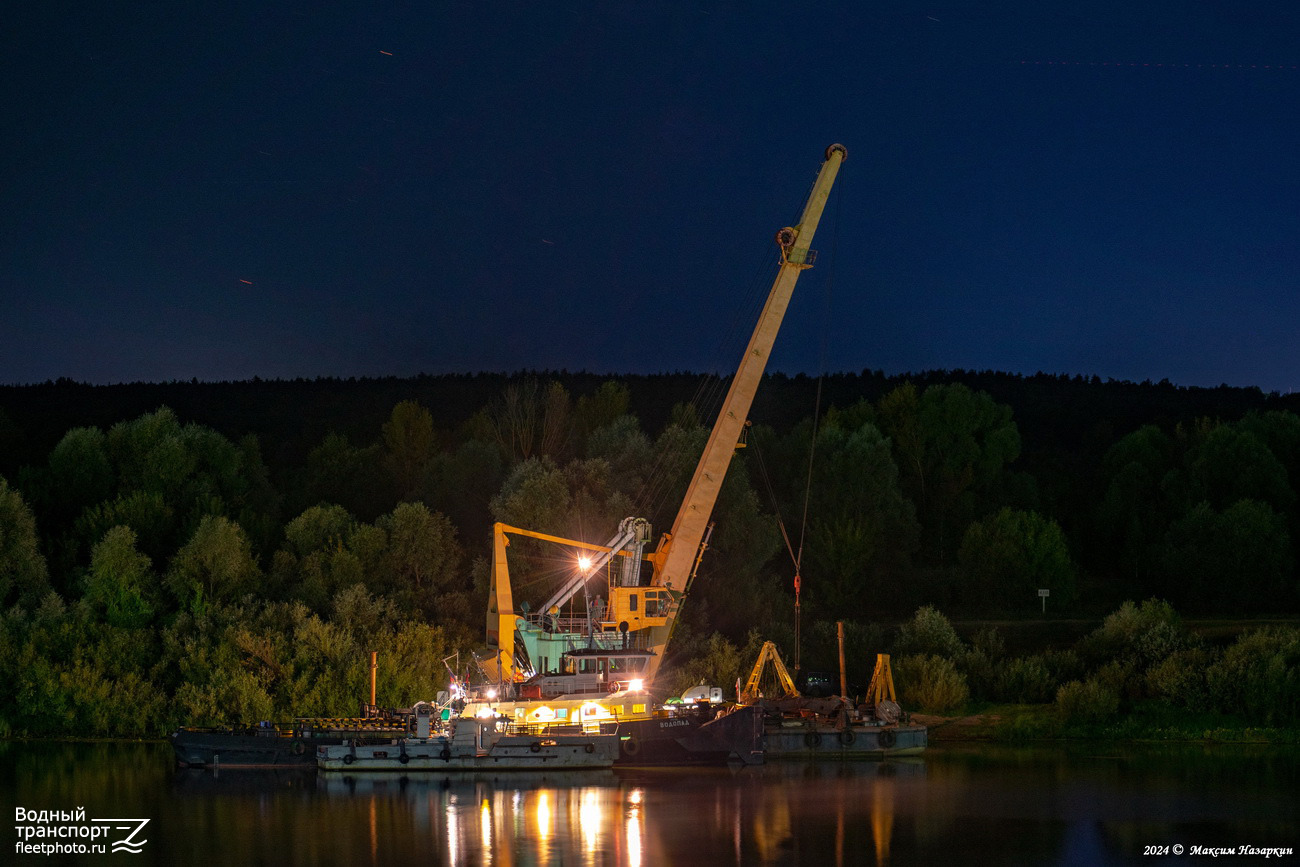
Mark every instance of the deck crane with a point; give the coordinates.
(640, 613)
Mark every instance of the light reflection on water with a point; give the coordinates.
(983, 805)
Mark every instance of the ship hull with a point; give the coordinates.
(506, 753)
(830, 743)
(686, 740)
(200, 749)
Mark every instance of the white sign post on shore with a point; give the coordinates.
(1044, 594)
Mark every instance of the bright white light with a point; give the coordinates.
(485, 713)
(633, 826)
(453, 835)
(584, 563)
(590, 820)
(491, 693)
(633, 841)
(636, 684)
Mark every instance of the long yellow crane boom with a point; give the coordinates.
(693, 517)
(639, 617)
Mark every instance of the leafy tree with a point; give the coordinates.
(409, 448)
(338, 472)
(535, 496)
(80, 474)
(23, 574)
(155, 475)
(256, 503)
(952, 445)
(599, 503)
(319, 528)
(47, 639)
(1089, 701)
(1011, 554)
(929, 633)
(145, 512)
(601, 409)
(626, 449)
(1138, 634)
(1238, 559)
(1280, 432)
(1025, 680)
(861, 529)
(1180, 678)
(464, 482)
(1226, 464)
(930, 683)
(1259, 676)
(743, 541)
(316, 560)
(121, 581)
(677, 451)
(719, 663)
(216, 564)
(422, 548)
(1133, 513)
(732, 588)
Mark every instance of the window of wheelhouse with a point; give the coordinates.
(626, 664)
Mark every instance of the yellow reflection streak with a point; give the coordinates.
(485, 830)
(590, 820)
(882, 818)
(374, 834)
(544, 817)
(634, 818)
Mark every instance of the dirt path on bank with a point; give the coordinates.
(974, 727)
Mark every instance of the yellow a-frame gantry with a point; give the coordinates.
(751, 693)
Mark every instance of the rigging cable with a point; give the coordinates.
(816, 426)
(796, 556)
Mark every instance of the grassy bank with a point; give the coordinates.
(1147, 721)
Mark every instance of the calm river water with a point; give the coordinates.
(959, 805)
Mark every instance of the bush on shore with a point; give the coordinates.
(930, 683)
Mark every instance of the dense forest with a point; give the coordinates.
(207, 551)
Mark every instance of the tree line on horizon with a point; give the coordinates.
(155, 570)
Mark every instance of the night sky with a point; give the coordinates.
(283, 190)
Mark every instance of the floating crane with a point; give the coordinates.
(624, 639)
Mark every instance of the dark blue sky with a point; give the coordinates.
(1108, 188)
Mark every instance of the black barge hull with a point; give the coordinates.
(203, 749)
(686, 740)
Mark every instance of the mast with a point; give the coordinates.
(693, 516)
